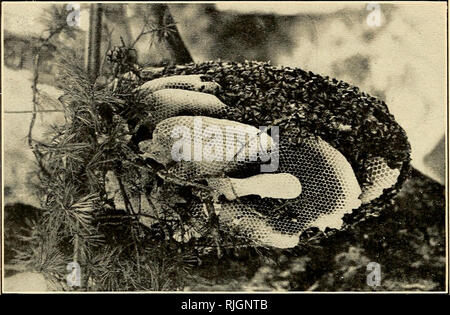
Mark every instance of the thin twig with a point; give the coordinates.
(36, 62)
(183, 182)
(142, 32)
(33, 111)
(35, 97)
(19, 268)
(214, 224)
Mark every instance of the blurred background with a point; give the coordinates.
(396, 52)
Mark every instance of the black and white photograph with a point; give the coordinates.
(224, 147)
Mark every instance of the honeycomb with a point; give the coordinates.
(329, 185)
(379, 177)
(329, 190)
(193, 82)
(173, 102)
(211, 147)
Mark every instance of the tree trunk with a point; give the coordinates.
(169, 33)
(92, 56)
